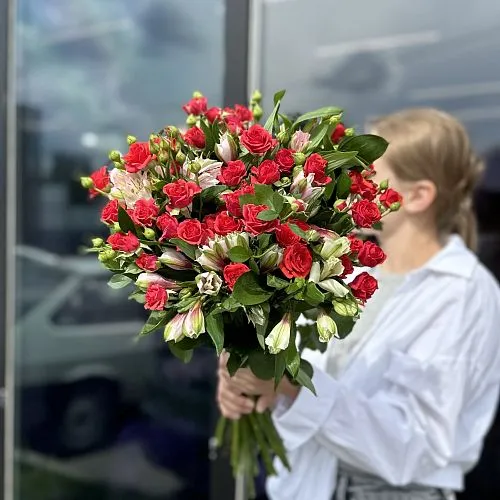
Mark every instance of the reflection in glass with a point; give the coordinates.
(100, 415)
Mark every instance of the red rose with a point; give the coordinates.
(145, 211)
(232, 200)
(297, 261)
(232, 272)
(316, 165)
(147, 262)
(300, 223)
(257, 140)
(369, 172)
(233, 173)
(371, 255)
(168, 226)
(213, 114)
(348, 266)
(156, 297)
(365, 188)
(234, 124)
(196, 106)
(363, 286)
(138, 157)
(355, 243)
(389, 197)
(195, 137)
(365, 213)
(209, 221)
(285, 236)
(284, 159)
(338, 133)
(181, 193)
(254, 225)
(100, 178)
(243, 113)
(124, 242)
(225, 224)
(191, 231)
(267, 172)
(109, 213)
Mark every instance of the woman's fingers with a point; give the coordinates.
(232, 404)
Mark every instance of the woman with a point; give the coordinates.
(402, 410)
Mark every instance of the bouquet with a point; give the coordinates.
(229, 230)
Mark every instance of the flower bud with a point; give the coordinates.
(383, 185)
(197, 94)
(146, 279)
(191, 120)
(256, 96)
(279, 337)
(97, 242)
(173, 330)
(163, 157)
(226, 149)
(333, 120)
(194, 167)
(173, 131)
(86, 182)
(131, 139)
(194, 324)
(340, 205)
(297, 205)
(271, 258)
(106, 255)
(299, 141)
(349, 132)
(345, 307)
(119, 165)
(395, 206)
(208, 283)
(327, 328)
(257, 112)
(116, 227)
(210, 260)
(299, 158)
(149, 233)
(283, 136)
(175, 260)
(180, 157)
(115, 156)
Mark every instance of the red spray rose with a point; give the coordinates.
(257, 140)
(100, 178)
(109, 213)
(371, 255)
(254, 225)
(365, 213)
(181, 193)
(191, 231)
(195, 137)
(284, 159)
(266, 173)
(138, 157)
(213, 114)
(297, 261)
(168, 226)
(156, 297)
(145, 211)
(348, 266)
(243, 113)
(196, 106)
(338, 133)
(232, 200)
(124, 242)
(232, 272)
(389, 197)
(365, 188)
(147, 262)
(355, 243)
(225, 224)
(286, 236)
(363, 286)
(233, 173)
(316, 165)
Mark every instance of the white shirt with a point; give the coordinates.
(415, 401)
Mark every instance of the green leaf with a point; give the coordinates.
(264, 240)
(246, 199)
(262, 329)
(262, 364)
(313, 296)
(230, 304)
(186, 248)
(212, 192)
(345, 324)
(253, 266)
(329, 189)
(343, 225)
(318, 135)
(286, 121)
(292, 360)
(125, 222)
(276, 282)
(378, 226)
(272, 117)
(133, 269)
(263, 194)
(369, 147)
(278, 96)
(296, 229)
(343, 186)
(295, 286)
(304, 376)
(156, 320)
(279, 367)
(318, 113)
(239, 254)
(267, 215)
(215, 328)
(337, 159)
(118, 281)
(210, 140)
(277, 202)
(248, 290)
(138, 296)
(182, 354)
(234, 363)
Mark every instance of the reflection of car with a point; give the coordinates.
(76, 357)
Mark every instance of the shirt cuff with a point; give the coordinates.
(299, 421)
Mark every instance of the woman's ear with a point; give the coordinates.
(419, 196)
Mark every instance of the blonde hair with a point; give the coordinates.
(432, 145)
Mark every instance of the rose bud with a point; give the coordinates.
(180, 157)
(106, 255)
(175, 260)
(149, 233)
(383, 185)
(279, 337)
(345, 307)
(97, 242)
(395, 206)
(86, 182)
(271, 258)
(115, 156)
(191, 120)
(194, 324)
(131, 139)
(226, 149)
(340, 205)
(256, 96)
(327, 328)
(173, 330)
(208, 283)
(299, 158)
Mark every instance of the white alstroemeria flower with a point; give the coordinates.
(194, 324)
(334, 287)
(207, 174)
(279, 337)
(226, 149)
(175, 260)
(299, 141)
(146, 279)
(129, 187)
(327, 328)
(208, 283)
(173, 329)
